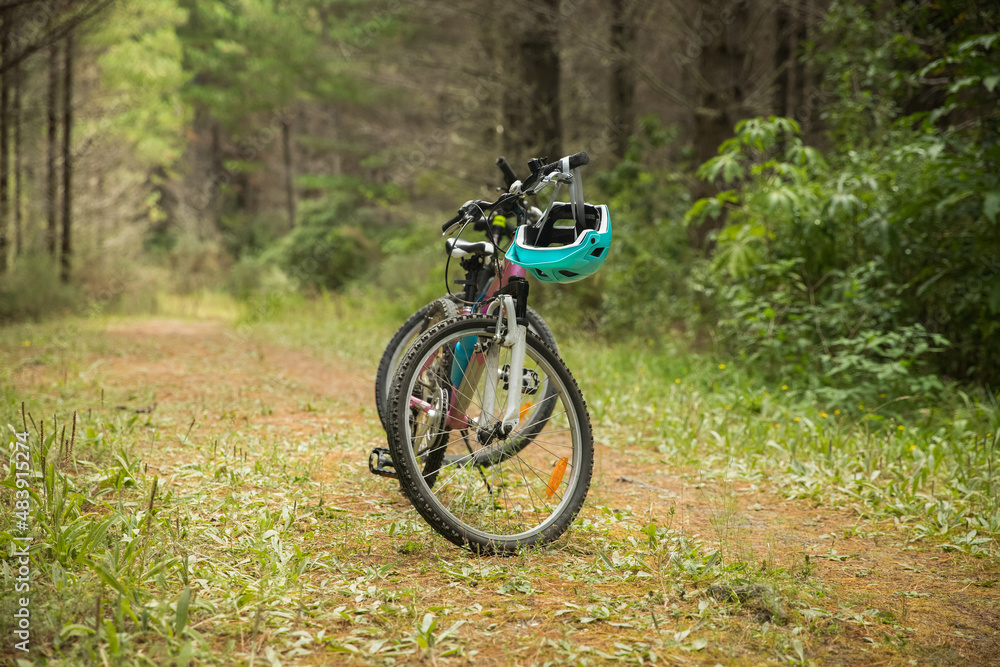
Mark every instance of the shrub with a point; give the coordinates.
(31, 290)
(815, 270)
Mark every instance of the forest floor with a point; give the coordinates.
(300, 556)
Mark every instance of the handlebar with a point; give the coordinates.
(475, 207)
(580, 159)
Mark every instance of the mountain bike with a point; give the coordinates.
(479, 284)
(464, 438)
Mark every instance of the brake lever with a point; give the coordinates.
(463, 217)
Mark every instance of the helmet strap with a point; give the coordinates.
(576, 198)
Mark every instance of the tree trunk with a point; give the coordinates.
(67, 201)
(5, 51)
(221, 178)
(337, 166)
(286, 145)
(808, 96)
(797, 77)
(532, 115)
(18, 166)
(722, 81)
(52, 187)
(782, 59)
(622, 103)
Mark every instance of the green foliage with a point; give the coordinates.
(870, 266)
(252, 277)
(910, 58)
(250, 235)
(248, 57)
(196, 264)
(848, 254)
(922, 162)
(785, 291)
(252, 58)
(91, 531)
(643, 281)
(324, 255)
(31, 290)
(836, 340)
(333, 243)
(142, 74)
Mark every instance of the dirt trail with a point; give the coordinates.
(946, 597)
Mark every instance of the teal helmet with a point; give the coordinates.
(561, 249)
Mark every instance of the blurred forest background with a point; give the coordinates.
(811, 186)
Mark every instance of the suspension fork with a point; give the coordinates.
(471, 361)
(508, 334)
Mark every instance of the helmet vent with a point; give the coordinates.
(597, 252)
(568, 274)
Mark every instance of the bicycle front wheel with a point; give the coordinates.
(492, 493)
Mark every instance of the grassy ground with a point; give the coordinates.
(214, 507)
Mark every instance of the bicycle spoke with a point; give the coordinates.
(527, 486)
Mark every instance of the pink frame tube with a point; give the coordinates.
(510, 270)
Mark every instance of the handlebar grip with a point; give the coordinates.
(451, 223)
(508, 174)
(581, 159)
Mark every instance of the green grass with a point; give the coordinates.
(930, 463)
(197, 535)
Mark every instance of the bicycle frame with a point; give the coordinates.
(468, 364)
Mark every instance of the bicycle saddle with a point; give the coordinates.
(458, 248)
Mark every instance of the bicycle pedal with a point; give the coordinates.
(380, 463)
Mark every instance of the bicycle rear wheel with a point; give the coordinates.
(503, 493)
(419, 322)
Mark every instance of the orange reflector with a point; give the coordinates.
(524, 409)
(556, 477)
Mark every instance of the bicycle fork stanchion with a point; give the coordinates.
(512, 335)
